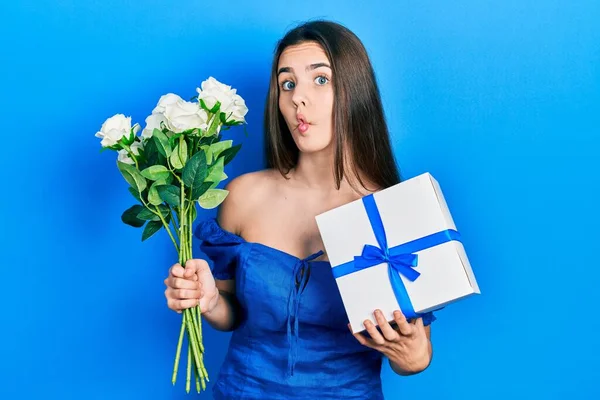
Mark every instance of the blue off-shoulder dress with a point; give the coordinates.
(293, 341)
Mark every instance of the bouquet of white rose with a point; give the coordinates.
(176, 163)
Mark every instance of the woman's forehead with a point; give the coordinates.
(306, 53)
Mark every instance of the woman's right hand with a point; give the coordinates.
(190, 286)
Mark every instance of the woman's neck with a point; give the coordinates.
(315, 171)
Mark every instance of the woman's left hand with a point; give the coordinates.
(407, 345)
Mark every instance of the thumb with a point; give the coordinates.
(190, 269)
(189, 273)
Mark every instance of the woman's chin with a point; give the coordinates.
(311, 145)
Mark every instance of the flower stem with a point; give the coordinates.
(191, 322)
(192, 339)
(182, 228)
(166, 225)
(131, 155)
(175, 227)
(196, 333)
(157, 213)
(199, 311)
(197, 382)
(189, 368)
(173, 172)
(178, 353)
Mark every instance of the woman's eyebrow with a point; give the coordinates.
(310, 67)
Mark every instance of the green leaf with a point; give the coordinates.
(156, 172)
(151, 228)
(221, 179)
(191, 132)
(150, 215)
(203, 105)
(212, 129)
(201, 190)
(216, 171)
(147, 215)
(233, 122)
(130, 216)
(166, 212)
(171, 194)
(195, 172)
(151, 153)
(169, 179)
(219, 147)
(212, 198)
(207, 141)
(135, 193)
(210, 110)
(162, 143)
(153, 196)
(141, 159)
(179, 155)
(228, 154)
(132, 176)
(209, 153)
(176, 136)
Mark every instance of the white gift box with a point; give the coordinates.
(412, 212)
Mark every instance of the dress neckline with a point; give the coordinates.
(265, 246)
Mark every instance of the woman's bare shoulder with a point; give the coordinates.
(247, 193)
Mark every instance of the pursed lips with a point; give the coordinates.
(303, 123)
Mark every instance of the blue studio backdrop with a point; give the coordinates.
(499, 100)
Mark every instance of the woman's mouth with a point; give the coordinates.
(303, 125)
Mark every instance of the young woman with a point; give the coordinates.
(327, 145)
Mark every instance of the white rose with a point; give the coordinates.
(123, 156)
(212, 90)
(164, 101)
(114, 129)
(153, 121)
(237, 110)
(183, 115)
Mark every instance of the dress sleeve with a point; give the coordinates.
(222, 248)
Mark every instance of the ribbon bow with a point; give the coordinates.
(403, 263)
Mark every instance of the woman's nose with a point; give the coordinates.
(300, 97)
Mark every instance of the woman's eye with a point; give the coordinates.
(321, 80)
(287, 85)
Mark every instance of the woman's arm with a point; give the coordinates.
(225, 315)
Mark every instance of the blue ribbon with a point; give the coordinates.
(400, 259)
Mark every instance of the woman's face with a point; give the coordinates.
(306, 95)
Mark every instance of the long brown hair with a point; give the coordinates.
(358, 120)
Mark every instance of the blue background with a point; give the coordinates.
(500, 101)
